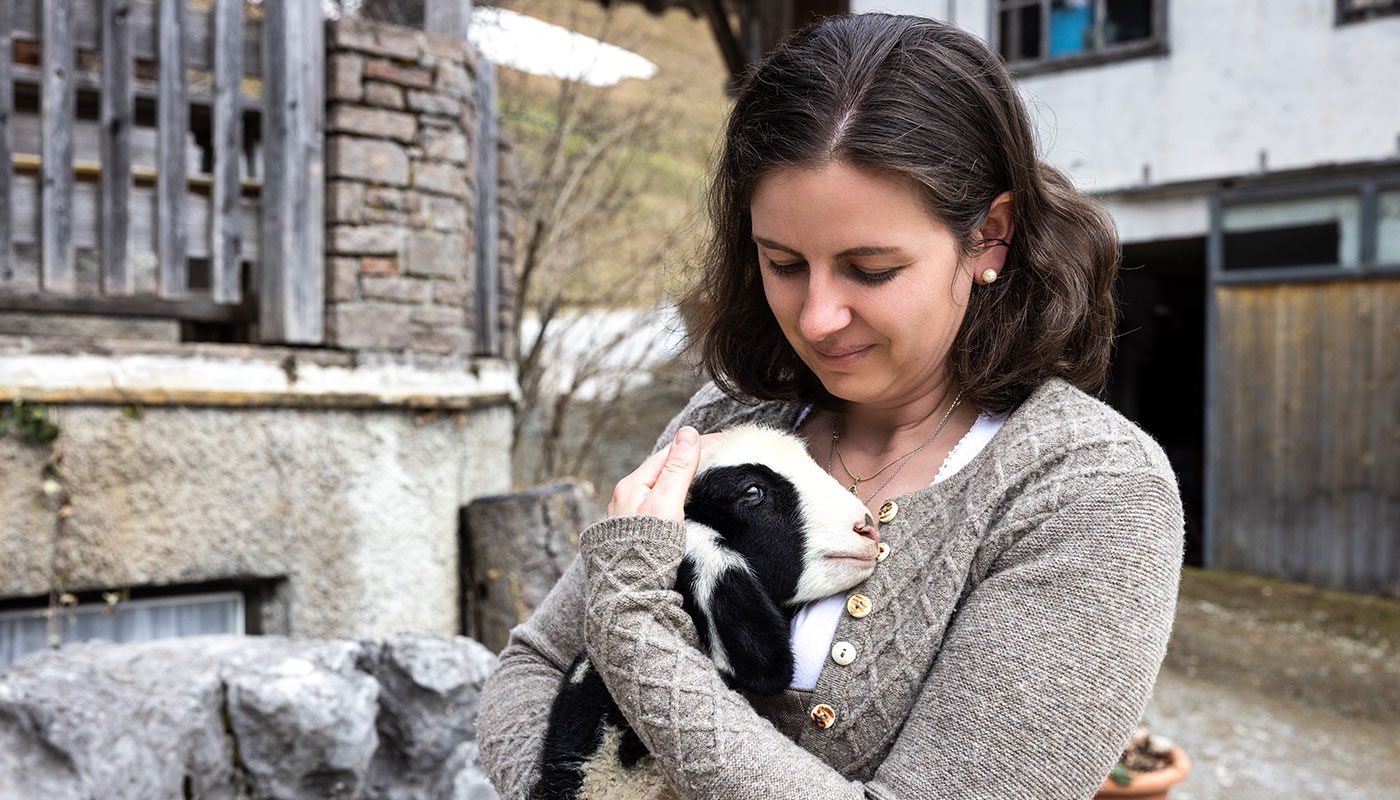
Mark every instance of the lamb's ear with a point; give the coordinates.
(755, 635)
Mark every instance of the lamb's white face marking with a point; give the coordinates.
(836, 556)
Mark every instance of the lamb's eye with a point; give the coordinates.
(754, 493)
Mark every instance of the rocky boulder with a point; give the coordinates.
(246, 718)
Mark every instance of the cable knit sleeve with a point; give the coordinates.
(1044, 671)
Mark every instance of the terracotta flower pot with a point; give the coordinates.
(1150, 785)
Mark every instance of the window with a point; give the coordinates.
(1361, 10)
(1299, 231)
(26, 630)
(1036, 35)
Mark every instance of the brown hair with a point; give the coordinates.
(912, 97)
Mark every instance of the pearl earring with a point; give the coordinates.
(989, 275)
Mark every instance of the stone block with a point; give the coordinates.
(438, 317)
(383, 70)
(437, 255)
(395, 199)
(453, 79)
(445, 145)
(452, 293)
(379, 266)
(445, 213)
(440, 46)
(345, 201)
(441, 342)
(377, 122)
(344, 278)
(377, 38)
(399, 290)
(434, 103)
(366, 239)
(384, 95)
(439, 177)
(369, 160)
(345, 72)
(362, 326)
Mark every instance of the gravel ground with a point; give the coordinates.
(1245, 745)
(1280, 691)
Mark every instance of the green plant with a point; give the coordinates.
(29, 421)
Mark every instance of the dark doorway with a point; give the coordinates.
(1159, 361)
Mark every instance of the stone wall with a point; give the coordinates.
(246, 718)
(400, 186)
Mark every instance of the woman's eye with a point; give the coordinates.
(785, 269)
(754, 493)
(873, 277)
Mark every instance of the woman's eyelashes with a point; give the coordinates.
(862, 275)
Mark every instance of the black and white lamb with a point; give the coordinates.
(766, 530)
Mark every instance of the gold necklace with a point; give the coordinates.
(901, 460)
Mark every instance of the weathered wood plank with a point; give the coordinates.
(145, 41)
(1308, 432)
(224, 227)
(141, 234)
(116, 133)
(57, 273)
(194, 308)
(173, 115)
(7, 108)
(488, 238)
(292, 277)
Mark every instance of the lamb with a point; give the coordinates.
(766, 530)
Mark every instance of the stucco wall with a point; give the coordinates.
(345, 501)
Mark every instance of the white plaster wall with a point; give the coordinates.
(1241, 78)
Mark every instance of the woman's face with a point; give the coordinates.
(867, 286)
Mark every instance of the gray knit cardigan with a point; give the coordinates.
(1017, 629)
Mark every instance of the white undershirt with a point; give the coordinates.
(814, 626)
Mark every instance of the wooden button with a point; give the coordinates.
(858, 605)
(843, 653)
(881, 551)
(888, 511)
(823, 716)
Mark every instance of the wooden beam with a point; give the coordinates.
(447, 17)
(228, 142)
(725, 37)
(7, 109)
(57, 271)
(115, 142)
(173, 114)
(194, 309)
(293, 269)
(487, 294)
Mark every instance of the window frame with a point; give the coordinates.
(1155, 45)
(1367, 188)
(1348, 14)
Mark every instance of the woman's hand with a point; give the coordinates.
(658, 487)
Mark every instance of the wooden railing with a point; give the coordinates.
(164, 159)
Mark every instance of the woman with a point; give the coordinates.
(895, 275)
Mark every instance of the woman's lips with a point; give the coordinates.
(841, 358)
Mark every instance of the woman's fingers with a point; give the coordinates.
(667, 496)
(669, 471)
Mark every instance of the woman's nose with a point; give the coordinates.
(824, 311)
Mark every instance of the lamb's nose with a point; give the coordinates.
(867, 530)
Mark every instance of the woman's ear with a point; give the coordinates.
(993, 237)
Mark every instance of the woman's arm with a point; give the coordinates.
(1044, 672)
(515, 702)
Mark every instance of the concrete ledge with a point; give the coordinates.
(252, 379)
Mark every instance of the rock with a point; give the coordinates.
(229, 718)
(303, 731)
